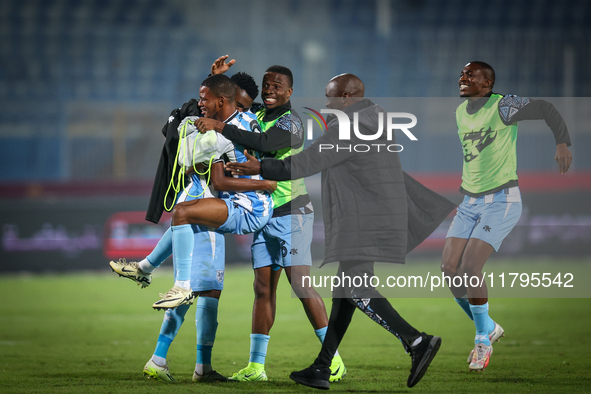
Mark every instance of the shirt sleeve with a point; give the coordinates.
(224, 146)
(277, 170)
(287, 132)
(513, 109)
(322, 154)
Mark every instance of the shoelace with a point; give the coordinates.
(133, 264)
(170, 292)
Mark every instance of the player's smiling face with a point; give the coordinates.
(209, 103)
(276, 90)
(472, 81)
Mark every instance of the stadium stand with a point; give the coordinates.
(146, 56)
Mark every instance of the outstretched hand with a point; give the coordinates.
(563, 157)
(250, 167)
(220, 66)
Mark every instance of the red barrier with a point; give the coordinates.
(444, 183)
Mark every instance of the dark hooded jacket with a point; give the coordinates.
(372, 210)
(167, 161)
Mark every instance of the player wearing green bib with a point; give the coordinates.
(490, 161)
(487, 127)
(284, 243)
(286, 190)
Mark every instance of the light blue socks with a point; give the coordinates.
(161, 252)
(258, 348)
(321, 333)
(484, 324)
(206, 320)
(182, 249)
(173, 319)
(465, 305)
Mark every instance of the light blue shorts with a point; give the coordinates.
(489, 218)
(284, 242)
(209, 260)
(208, 266)
(240, 221)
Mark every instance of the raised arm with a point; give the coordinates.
(220, 66)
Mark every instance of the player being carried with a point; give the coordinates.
(198, 225)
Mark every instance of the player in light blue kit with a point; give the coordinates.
(487, 127)
(246, 212)
(238, 212)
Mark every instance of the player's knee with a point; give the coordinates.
(305, 291)
(468, 269)
(471, 271)
(451, 257)
(261, 289)
(449, 267)
(179, 215)
(296, 281)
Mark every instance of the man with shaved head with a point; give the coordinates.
(344, 90)
(370, 215)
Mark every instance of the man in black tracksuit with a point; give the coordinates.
(372, 212)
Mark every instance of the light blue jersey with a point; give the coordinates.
(221, 149)
(215, 146)
(259, 202)
(247, 211)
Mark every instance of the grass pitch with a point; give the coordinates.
(93, 333)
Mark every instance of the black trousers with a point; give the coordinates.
(347, 298)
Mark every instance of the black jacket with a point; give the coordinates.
(372, 210)
(167, 161)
